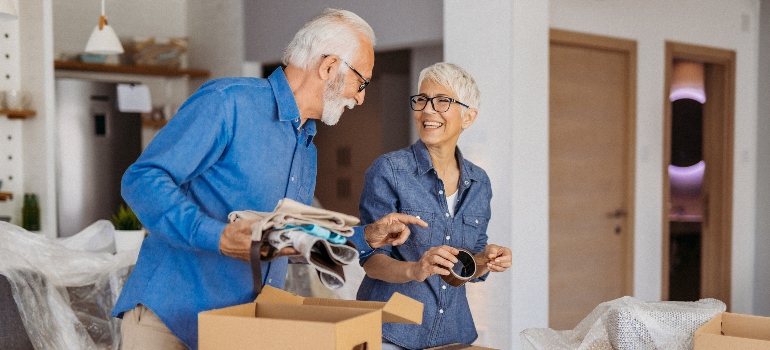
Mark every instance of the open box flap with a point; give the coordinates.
(399, 309)
(402, 309)
(746, 326)
(271, 294)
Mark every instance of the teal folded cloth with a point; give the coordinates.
(320, 231)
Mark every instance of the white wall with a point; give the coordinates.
(36, 75)
(271, 24)
(216, 36)
(75, 19)
(729, 25)
(26, 41)
(762, 262)
(504, 45)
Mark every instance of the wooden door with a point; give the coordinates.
(591, 168)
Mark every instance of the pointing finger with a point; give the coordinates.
(409, 219)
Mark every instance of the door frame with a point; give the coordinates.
(629, 49)
(717, 212)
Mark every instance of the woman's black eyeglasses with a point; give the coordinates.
(440, 104)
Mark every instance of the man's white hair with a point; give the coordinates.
(455, 78)
(332, 32)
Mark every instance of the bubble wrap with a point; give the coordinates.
(629, 323)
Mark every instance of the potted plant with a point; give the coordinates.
(128, 230)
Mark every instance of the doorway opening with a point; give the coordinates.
(697, 216)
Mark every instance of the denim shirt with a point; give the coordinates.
(235, 144)
(405, 181)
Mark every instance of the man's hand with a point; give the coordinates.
(236, 241)
(391, 229)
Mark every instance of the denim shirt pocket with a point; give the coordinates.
(420, 236)
(473, 226)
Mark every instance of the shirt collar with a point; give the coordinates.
(424, 164)
(284, 98)
(287, 104)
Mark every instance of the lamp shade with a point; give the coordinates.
(104, 41)
(7, 10)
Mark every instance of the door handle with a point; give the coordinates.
(617, 214)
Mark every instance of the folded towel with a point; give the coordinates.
(311, 231)
(290, 212)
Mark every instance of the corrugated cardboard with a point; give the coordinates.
(281, 320)
(734, 331)
(460, 347)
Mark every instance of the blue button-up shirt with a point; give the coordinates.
(235, 144)
(405, 181)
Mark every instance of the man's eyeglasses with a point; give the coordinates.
(440, 104)
(366, 81)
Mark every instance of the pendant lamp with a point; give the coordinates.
(688, 81)
(103, 39)
(7, 10)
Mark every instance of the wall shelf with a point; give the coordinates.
(5, 196)
(130, 69)
(17, 113)
(154, 123)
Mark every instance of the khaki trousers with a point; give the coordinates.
(141, 329)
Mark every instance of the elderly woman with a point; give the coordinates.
(431, 180)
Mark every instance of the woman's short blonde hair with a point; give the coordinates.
(455, 78)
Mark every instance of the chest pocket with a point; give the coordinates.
(473, 227)
(420, 236)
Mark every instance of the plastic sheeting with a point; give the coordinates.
(65, 289)
(629, 323)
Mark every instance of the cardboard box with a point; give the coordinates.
(460, 347)
(281, 320)
(734, 331)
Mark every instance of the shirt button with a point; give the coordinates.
(441, 311)
(417, 216)
(446, 214)
(270, 280)
(296, 120)
(292, 178)
(441, 192)
(466, 182)
(477, 221)
(443, 287)
(363, 251)
(447, 238)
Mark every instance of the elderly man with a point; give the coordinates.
(238, 144)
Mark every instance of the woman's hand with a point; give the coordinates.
(500, 258)
(437, 260)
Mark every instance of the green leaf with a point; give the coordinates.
(125, 219)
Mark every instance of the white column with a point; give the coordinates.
(762, 259)
(504, 45)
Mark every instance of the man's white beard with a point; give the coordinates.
(334, 103)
